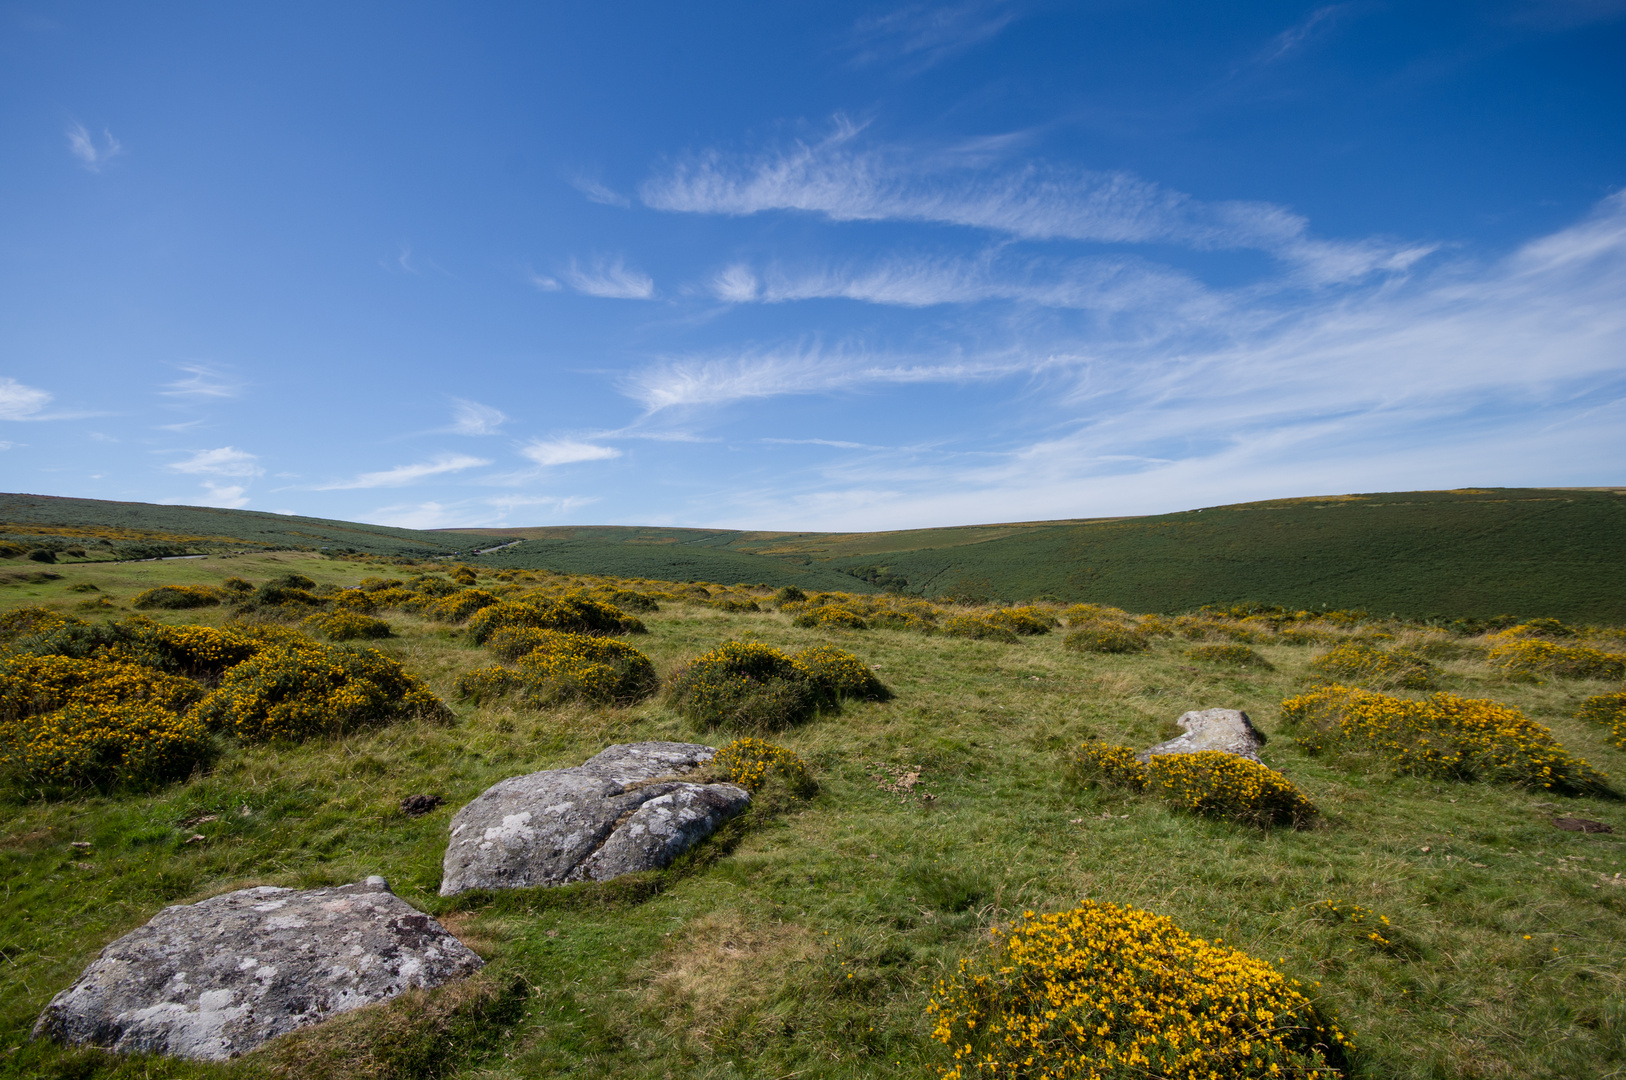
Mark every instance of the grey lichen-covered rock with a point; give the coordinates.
(1227, 730)
(616, 813)
(216, 979)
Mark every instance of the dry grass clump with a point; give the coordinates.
(346, 625)
(1230, 656)
(1103, 636)
(1370, 665)
(177, 597)
(748, 686)
(1104, 991)
(1607, 709)
(750, 763)
(1443, 736)
(1210, 784)
(560, 666)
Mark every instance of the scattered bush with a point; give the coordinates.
(487, 683)
(627, 600)
(789, 594)
(295, 688)
(1107, 637)
(355, 600)
(841, 674)
(1023, 621)
(291, 581)
(45, 555)
(576, 614)
(236, 586)
(746, 685)
(1371, 666)
(1607, 709)
(176, 597)
(9, 550)
(1106, 991)
(67, 721)
(1443, 736)
(378, 584)
(457, 606)
(751, 762)
(830, 617)
(1220, 785)
(1535, 657)
(465, 576)
(1100, 765)
(1230, 655)
(567, 666)
(346, 625)
(977, 627)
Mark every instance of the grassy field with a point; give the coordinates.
(804, 941)
(108, 530)
(1527, 552)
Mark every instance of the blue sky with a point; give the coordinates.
(808, 265)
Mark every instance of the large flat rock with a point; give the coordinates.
(1226, 730)
(215, 979)
(624, 809)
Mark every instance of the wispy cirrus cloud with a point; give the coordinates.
(598, 192)
(923, 35)
(842, 180)
(202, 383)
(611, 278)
(402, 475)
(564, 451)
(82, 145)
(221, 461)
(475, 513)
(473, 418)
(21, 402)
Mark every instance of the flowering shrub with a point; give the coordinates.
(841, 674)
(355, 600)
(29, 621)
(1608, 709)
(565, 666)
(484, 684)
(397, 597)
(465, 576)
(747, 685)
(460, 605)
(177, 596)
(1535, 657)
(1106, 637)
(75, 721)
(1368, 664)
(378, 584)
(1024, 621)
(346, 625)
(830, 617)
(1107, 991)
(577, 614)
(735, 603)
(1100, 765)
(1443, 736)
(1220, 785)
(1233, 655)
(750, 762)
(295, 688)
(979, 627)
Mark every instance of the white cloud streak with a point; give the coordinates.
(599, 193)
(841, 181)
(20, 402)
(402, 475)
(222, 461)
(611, 278)
(473, 418)
(924, 35)
(202, 383)
(82, 145)
(550, 452)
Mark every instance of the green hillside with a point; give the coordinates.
(1476, 553)
(141, 530)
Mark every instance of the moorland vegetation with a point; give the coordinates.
(954, 865)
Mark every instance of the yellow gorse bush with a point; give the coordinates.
(576, 613)
(460, 605)
(1210, 784)
(177, 596)
(566, 665)
(1442, 736)
(1364, 663)
(1233, 655)
(1105, 636)
(979, 627)
(830, 617)
(1536, 657)
(750, 762)
(1607, 709)
(841, 674)
(346, 625)
(1104, 991)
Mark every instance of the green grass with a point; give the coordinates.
(141, 530)
(736, 962)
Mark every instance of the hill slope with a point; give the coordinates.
(138, 530)
(1481, 552)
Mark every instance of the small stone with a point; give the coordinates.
(1227, 730)
(1575, 824)
(81, 845)
(215, 979)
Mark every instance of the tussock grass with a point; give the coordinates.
(735, 961)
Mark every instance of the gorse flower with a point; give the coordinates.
(1210, 784)
(1104, 991)
(1607, 709)
(1368, 664)
(758, 687)
(751, 762)
(1536, 657)
(346, 625)
(558, 666)
(1442, 736)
